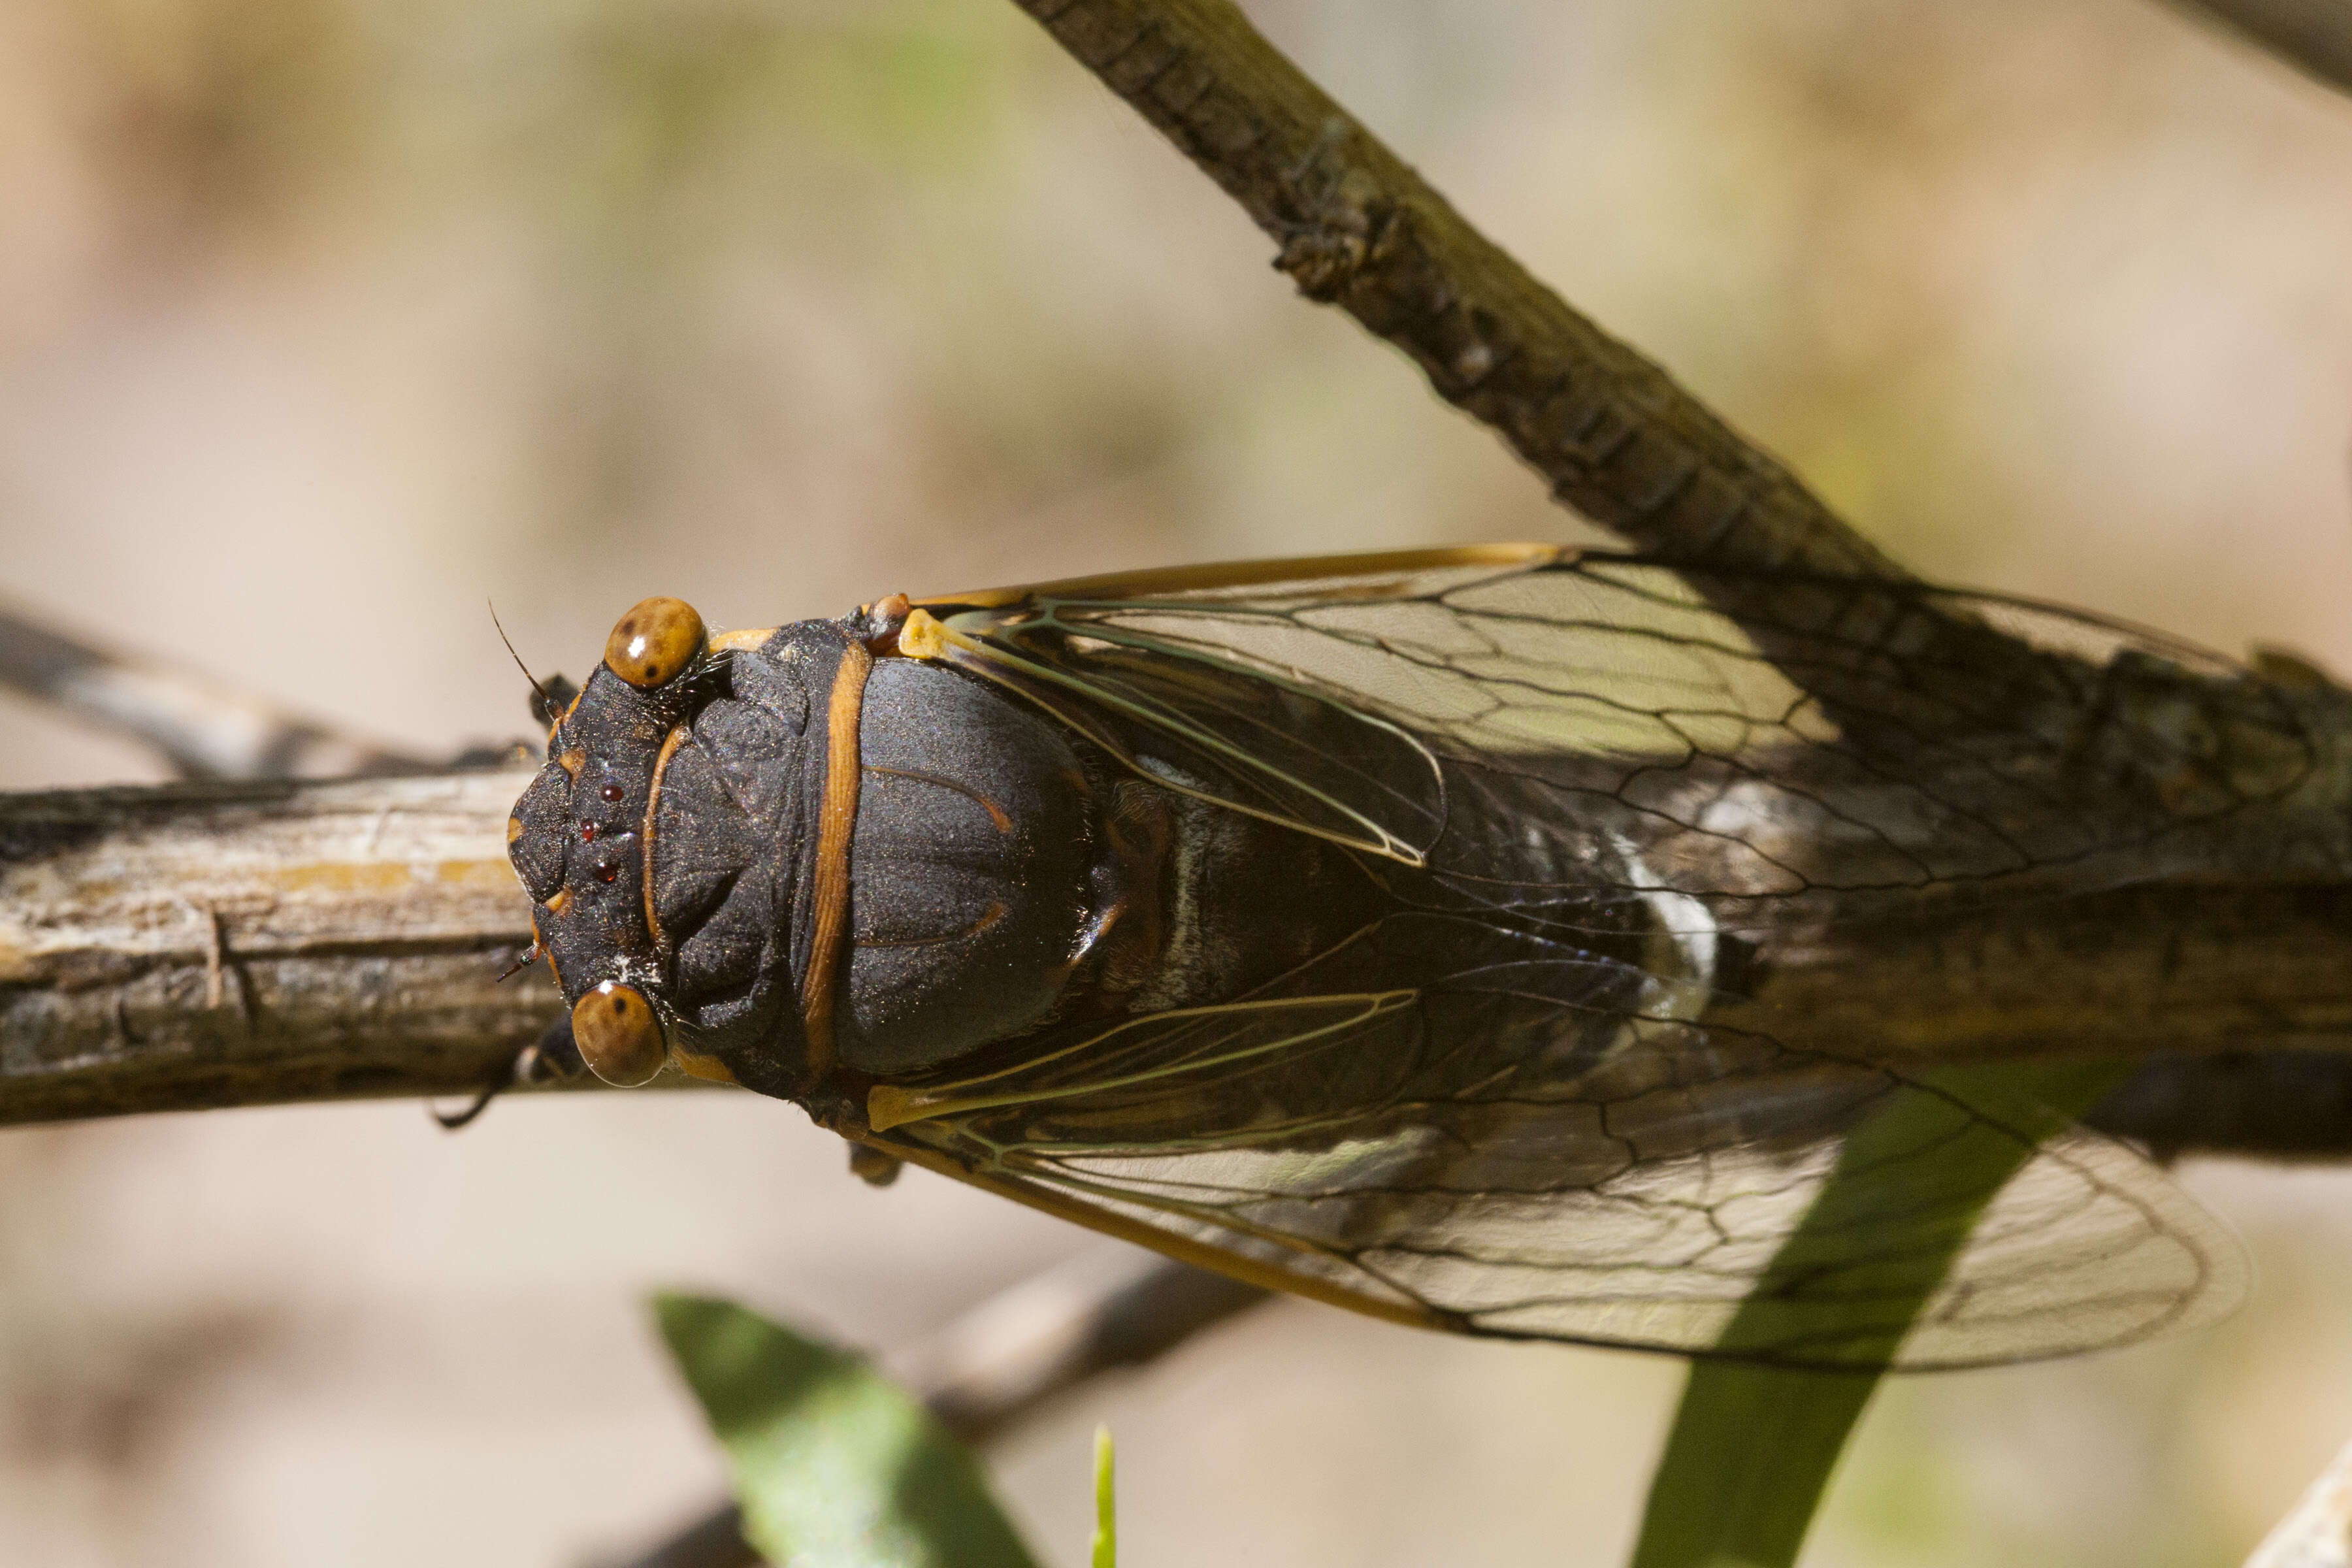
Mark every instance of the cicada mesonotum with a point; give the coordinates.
(1389, 928)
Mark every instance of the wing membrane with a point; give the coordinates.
(1513, 1153)
(1501, 1108)
(1428, 708)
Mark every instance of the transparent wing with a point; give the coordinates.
(1501, 1110)
(1520, 1148)
(1511, 717)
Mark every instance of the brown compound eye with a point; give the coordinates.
(654, 641)
(618, 1036)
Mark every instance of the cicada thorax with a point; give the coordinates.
(820, 866)
(982, 875)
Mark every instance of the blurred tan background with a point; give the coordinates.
(322, 322)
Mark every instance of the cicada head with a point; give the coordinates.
(582, 837)
(668, 845)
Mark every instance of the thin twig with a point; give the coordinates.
(1611, 432)
(2314, 36)
(1357, 227)
(203, 729)
(1008, 1357)
(1110, 1309)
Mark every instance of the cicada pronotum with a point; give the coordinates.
(1388, 929)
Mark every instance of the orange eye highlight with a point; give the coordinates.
(618, 1036)
(654, 641)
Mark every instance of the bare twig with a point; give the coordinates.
(1357, 227)
(1354, 226)
(199, 945)
(233, 944)
(2266, 1105)
(1109, 1309)
(2313, 36)
(1011, 1354)
(203, 729)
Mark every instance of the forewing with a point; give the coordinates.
(1510, 1154)
(1816, 735)
(1474, 1117)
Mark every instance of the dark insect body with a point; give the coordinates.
(1390, 929)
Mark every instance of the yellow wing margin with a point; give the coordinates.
(1373, 574)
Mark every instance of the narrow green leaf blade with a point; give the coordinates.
(1750, 1454)
(1105, 1552)
(1753, 1447)
(835, 1466)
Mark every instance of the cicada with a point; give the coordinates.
(1391, 928)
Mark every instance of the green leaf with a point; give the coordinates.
(1105, 1551)
(1753, 1447)
(835, 1466)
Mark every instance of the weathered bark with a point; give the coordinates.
(219, 945)
(2202, 966)
(203, 945)
(2206, 975)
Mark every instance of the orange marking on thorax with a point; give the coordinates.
(835, 821)
(652, 804)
